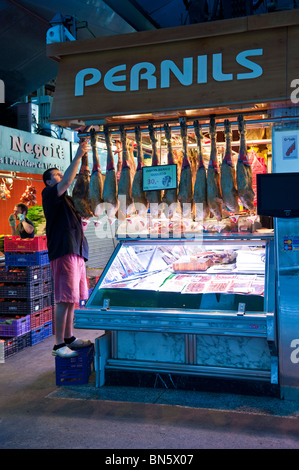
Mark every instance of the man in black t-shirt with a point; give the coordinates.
(68, 251)
(25, 227)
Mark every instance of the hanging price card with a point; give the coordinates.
(159, 177)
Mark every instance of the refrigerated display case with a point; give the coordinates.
(203, 307)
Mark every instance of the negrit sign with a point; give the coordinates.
(31, 153)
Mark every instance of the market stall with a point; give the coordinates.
(193, 284)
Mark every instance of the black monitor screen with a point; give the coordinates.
(278, 194)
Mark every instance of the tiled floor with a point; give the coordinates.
(36, 414)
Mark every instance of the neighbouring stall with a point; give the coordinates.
(201, 281)
(24, 157)
(26, 295)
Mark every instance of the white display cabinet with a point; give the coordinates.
(187, 306)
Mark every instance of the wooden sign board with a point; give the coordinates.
(245, 60)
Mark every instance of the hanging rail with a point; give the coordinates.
(14, 175)
(220, 126)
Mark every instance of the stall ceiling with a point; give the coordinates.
(24, 66)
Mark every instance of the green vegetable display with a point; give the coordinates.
(37, 216)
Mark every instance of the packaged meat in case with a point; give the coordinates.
(175, 283)
(195, 287)
(192, 264)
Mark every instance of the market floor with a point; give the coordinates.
(36, 414)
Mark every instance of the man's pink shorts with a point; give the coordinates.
(69, 274)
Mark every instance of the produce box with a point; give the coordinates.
(37, 335)
(46, 287)
(13, 243)
(2, 359)
(75, 370)
(92, 281)
(37, 319)
(22, 274)
(15, 325)
(46, 274)
(26, 259)
(20, 307)
(21, 291)
(9, 345)
(48, 314)
(48, 329)
(23, 341)
(48, 300)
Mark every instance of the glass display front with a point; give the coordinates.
(168, 275)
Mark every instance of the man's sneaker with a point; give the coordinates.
(64, 351)
(79, 343)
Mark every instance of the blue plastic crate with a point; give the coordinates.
(48, 329)
(75, 370)
(37, 335)
(26, 259)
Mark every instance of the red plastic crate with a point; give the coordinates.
(14, 243)
(14, 326)
(37, 319)
(48, 314)
(92, 281)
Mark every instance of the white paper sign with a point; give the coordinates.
(290, 147)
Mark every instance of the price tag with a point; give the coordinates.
(159, 177)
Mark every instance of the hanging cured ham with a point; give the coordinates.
(200, 186)
(244, 171)
(228, 173)
(118, 151)
(80, 191)
(110, 183)
(96, 180)
(138, 194)
(170, 198)
(213, 177)
(125, 180)
(185, 195)
(154, 197)
(131, 159)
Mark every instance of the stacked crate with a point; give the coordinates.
(75, 370)
(26, 294)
